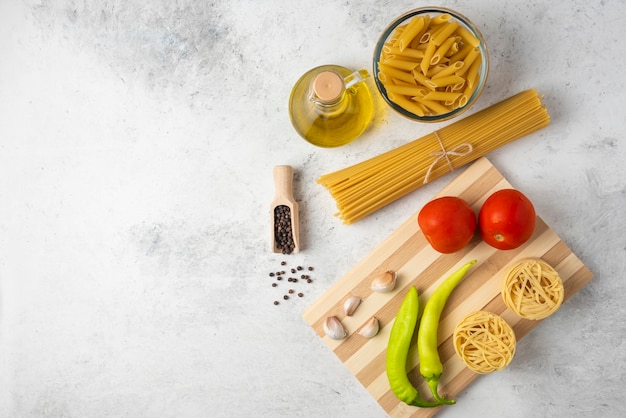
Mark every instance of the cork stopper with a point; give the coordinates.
(328, 86)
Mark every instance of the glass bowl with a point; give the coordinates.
(450, 39)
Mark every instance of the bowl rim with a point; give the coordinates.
(460, 18)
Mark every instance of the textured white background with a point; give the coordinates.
(137, 141)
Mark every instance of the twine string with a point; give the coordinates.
(456, 151)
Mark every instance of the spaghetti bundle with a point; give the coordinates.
(485, 342)
(365, 187)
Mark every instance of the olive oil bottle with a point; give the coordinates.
(331, 105)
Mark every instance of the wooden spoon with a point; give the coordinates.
(284, 200)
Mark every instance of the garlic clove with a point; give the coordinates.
(385, 283)
(350, 305)
(334, 328)
(370, 328)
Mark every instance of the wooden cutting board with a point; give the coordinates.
(407, 252)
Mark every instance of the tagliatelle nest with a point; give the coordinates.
(532, 289)
(485, 342)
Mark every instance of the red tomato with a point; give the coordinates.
(448, 223)
(506, 220)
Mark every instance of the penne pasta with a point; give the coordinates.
(442, 96)
(436, 69)
(419, 35)
(423, 80)
(406, 53)
(396, 73)
(447, 80)
(395, 62)
(441, 52)
(449, 70)
(469, 59)
(428, 55)
(408, 90)
(462, 53)
(442, 18)
(431, 64)
(407, 104)
(445, 32)
(472, 73)
(433, 105)
(411, 30)
(467, 92)
(468, 37)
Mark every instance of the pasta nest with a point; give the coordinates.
(532, 289)
(485, 342)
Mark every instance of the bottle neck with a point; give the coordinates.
(328, 94)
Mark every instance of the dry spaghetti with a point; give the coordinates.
(485, 342)
(363, 188)
(532, 289)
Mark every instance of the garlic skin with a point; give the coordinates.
(370, 328)
(350, 305)
(334, 328)
(385, 283)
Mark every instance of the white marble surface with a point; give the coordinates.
(137, 141)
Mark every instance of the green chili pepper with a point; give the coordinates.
(430, 363)
(398, 351)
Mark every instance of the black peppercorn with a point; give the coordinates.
(283, 231)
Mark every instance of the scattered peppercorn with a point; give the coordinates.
(280, 274)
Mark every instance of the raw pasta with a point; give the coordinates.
(435, 52)
(365, 187)
(485, 342)
(532, 289)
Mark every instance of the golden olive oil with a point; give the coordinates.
(328, 115)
